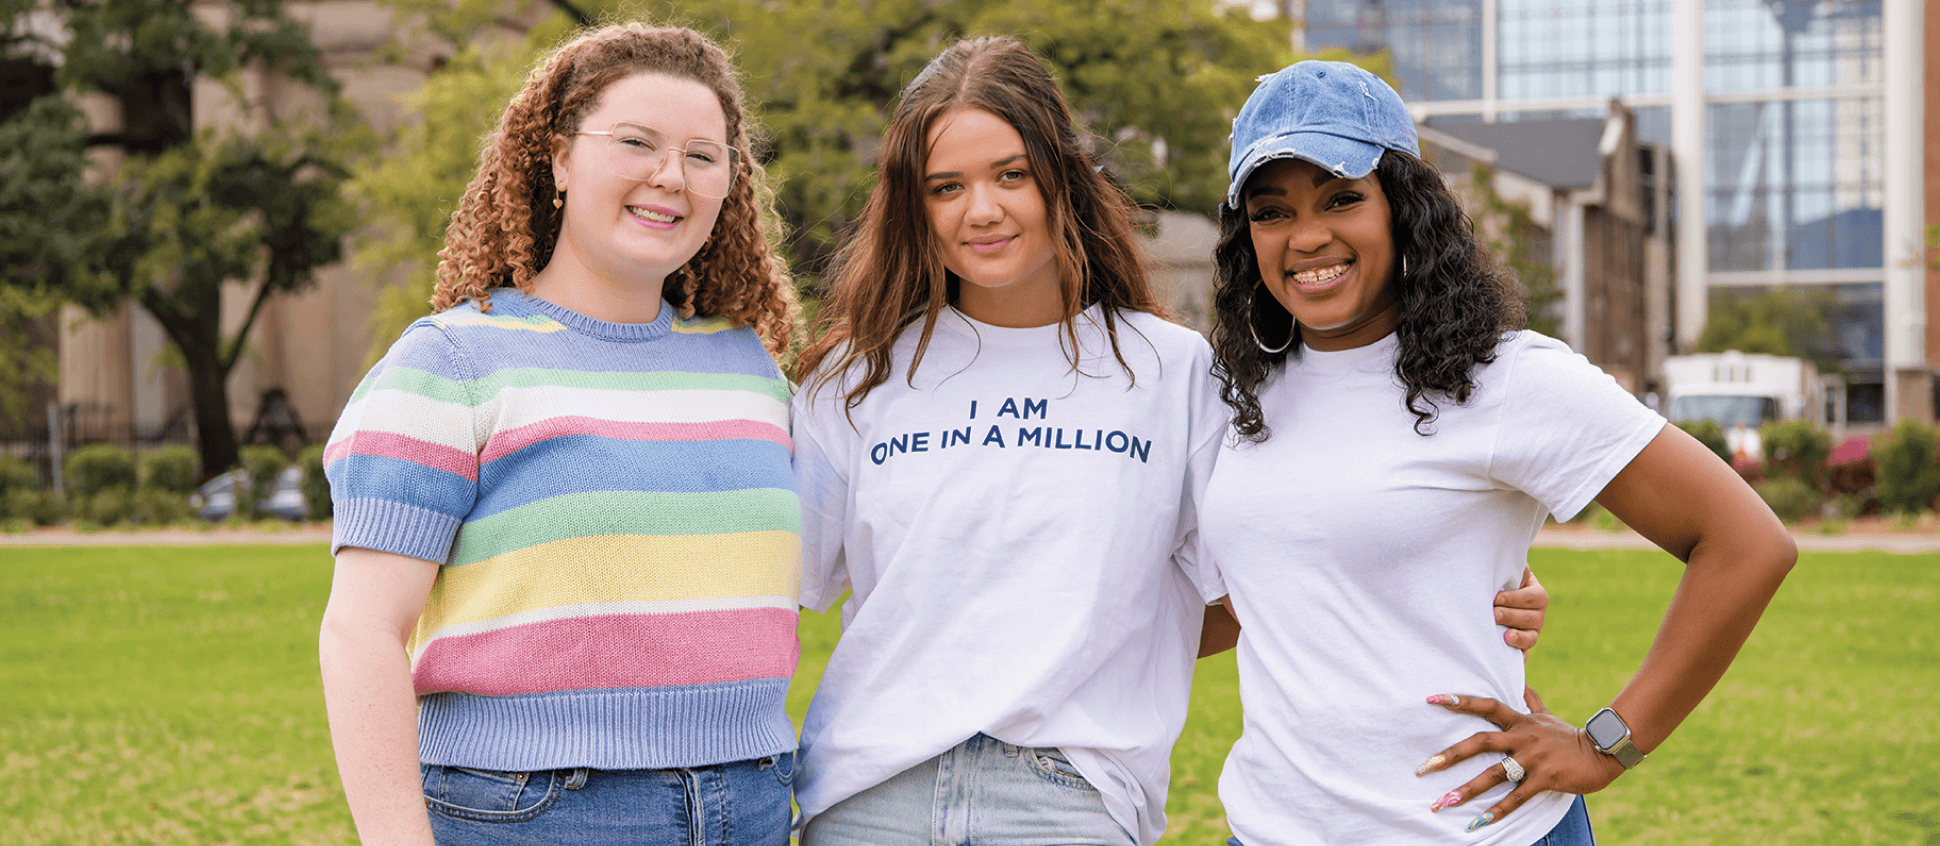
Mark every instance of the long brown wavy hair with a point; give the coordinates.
(1455, 302)
(891, 272)
(505, 228)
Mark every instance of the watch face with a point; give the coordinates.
(1606, 729)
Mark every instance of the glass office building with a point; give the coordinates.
(1794, 148)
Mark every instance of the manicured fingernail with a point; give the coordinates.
(1430, 765)
(1509, 637)
(1486, 818)
(1444, 699)
(1452, 797)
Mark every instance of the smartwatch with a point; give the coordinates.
(1612, 737)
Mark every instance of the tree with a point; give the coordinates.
(1156, 82)
(191, 213)
(1507, 227)
(46, 213)
(1776, 321)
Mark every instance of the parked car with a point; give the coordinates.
(216, 499)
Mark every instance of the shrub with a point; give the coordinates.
(156, 507)
(31, 504)
(1790, 498)
(18, 474)
(316, 487)
(260, 464)
(1903, 461)
(99, 467)
(1853, 477)
(172, 469)
(107, 506)
(1797, 449)
(1710, 434)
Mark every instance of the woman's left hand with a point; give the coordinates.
(1553, 755)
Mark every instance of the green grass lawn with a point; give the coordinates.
(170, 695)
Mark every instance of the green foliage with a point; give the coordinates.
(51, 213)
(98, 467)
(191, 213)
(1507, 229)
(1775, 321)
(36, 506)
(260, 465)
(316, 486)
(106, 507)
(18, 474)
(1155, 82)
(1710, 434)
(171, 469)
(1791, 498)
(1797, 449)
(48, 215)
(157, 507)
(412, 188)
(1904, 473)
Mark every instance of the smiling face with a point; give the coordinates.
(621, 237)
(1325, 250)
(989, 218)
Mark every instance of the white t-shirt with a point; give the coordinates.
(1009, 527)
(1363, 560)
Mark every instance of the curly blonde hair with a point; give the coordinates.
(505, 228)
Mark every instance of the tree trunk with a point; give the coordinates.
(215, 434)
(195, 326)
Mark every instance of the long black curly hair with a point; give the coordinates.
(1454, 299)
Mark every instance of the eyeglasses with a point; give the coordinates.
(638, 152)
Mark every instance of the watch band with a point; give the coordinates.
(1622, 749)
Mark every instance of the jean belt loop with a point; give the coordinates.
(577, 779)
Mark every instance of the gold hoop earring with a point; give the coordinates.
(1252, 306)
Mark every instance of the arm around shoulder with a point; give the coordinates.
(375, 600)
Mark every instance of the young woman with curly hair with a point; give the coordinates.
(566, 530)
(1399, 440)
(999, 443)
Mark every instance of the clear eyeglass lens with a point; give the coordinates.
(707, 165)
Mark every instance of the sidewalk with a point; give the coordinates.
(1861, 538)
(295, 534)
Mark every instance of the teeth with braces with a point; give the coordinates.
(1319, 275)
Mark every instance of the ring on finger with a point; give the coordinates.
(1513, 770)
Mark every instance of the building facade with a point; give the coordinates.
(1797, 129)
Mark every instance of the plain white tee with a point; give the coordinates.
(1009, 526)
(1363, 561)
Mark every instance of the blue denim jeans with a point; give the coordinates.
(1573, 830)
(984, 792)
(745, 803)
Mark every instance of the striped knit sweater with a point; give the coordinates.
(617, 526)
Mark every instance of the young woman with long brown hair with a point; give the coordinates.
(999, 441)
(564, 604)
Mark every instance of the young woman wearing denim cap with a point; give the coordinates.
(999, 443)
(1399, 439)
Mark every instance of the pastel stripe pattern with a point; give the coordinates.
(616, 525)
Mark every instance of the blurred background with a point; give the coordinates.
(214, 213)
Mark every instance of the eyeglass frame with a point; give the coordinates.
(734, 155)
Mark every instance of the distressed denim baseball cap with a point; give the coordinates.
(1333, 114)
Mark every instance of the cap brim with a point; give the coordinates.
(1349, 158)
